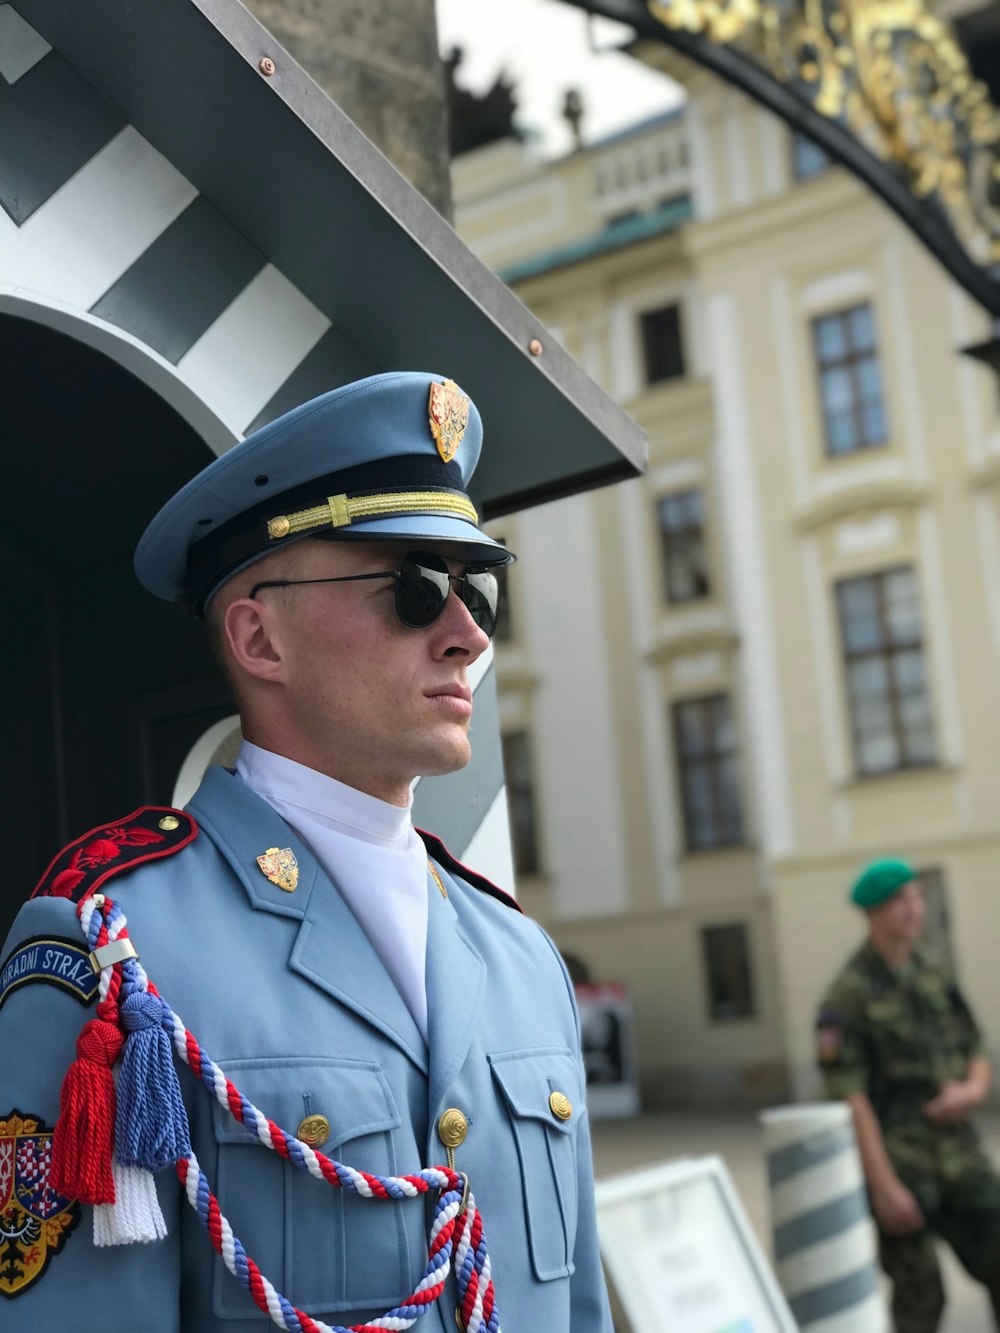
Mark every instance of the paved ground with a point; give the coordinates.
(627, 1145)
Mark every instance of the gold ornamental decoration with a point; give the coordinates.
(280, 867)
(448, 411)
(893, 79)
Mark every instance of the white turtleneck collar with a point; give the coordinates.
(334, 804)
(369, 850)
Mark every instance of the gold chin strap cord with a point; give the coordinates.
(339, 511)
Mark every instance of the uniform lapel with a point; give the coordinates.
(456, 980)
(334, 953)
(331, 950)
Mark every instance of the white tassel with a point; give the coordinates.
(135, 1215)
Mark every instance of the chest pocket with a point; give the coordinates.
(943, 1014)
(899, 1044)
(325, 1248)
(546, 1149)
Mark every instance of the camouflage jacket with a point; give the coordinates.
(895, 1036)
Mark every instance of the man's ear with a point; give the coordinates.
(254, 641)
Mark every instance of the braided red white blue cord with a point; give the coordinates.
(127, 996)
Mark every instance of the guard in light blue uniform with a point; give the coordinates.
(371, 997)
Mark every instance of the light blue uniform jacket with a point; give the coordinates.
(286, 994)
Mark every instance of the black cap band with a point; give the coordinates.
(233, 544)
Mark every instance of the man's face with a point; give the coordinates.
(901, 917)
(368, 700)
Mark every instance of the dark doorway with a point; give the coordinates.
(103, 688)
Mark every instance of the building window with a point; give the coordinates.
(726, 951)
(682, 542)
(708, 766)
(937, 919)
(517, 769)
(662, 344)
(808, 159)
(850, 380)
(886, 674)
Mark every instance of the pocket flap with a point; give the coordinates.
(352, 1094)
(528, 1080)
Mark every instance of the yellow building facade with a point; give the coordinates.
(727, 684)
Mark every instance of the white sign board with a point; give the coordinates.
(682, 1254)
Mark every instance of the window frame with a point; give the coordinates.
(522, 795)
(675, 544)
(938, 939)
(649, 348)
(849, 364)
(802, 146)
(716, 1006)
(886, 653)
(710, 759)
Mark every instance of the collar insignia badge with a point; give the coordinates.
(437, 879)
(35, 1221)
(280, 867)
(449, 416)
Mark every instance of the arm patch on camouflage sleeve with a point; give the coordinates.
(829, 1036)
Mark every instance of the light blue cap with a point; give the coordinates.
(385, 458)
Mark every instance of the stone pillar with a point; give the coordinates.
(378, 60)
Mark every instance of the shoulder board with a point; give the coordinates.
(147, 834)
(440, 853)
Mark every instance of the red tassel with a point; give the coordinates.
(83, 1142)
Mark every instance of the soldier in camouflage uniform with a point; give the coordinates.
(897, 1041)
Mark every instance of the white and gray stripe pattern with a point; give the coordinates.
(824, 1238)
(94, 219)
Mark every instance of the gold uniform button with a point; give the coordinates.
(314, 1130)
(560, 1106)
(169, 822)
(452, 1127)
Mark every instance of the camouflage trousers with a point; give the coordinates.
(961, 1201)
(912, 1265)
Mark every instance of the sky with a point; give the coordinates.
(547, 46)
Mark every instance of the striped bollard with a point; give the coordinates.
(825, 1247)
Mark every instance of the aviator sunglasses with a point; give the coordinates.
(423, 582)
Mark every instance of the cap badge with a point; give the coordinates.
(449, 416)
(280, 867)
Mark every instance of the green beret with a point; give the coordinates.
(880, 881)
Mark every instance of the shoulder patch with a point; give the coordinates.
(35, 1221)
(440, 853)
(147, 834)
(829, 1043)
(56, 962)
(829, 1035)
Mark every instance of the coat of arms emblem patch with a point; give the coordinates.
(449, 416)
(34, 1220)
(281, 868)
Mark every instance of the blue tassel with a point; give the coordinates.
(151, 1127)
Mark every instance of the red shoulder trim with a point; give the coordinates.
(81, 868)
(437, 849)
